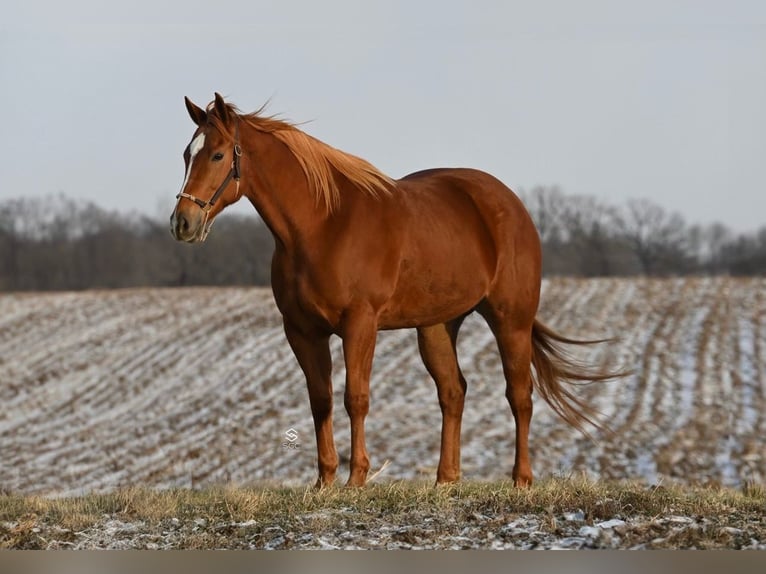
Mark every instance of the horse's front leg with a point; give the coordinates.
(313, 354)
(360, 332)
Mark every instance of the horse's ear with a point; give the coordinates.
(220, 107)
(197, 114)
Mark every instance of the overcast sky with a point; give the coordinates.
(658, 99)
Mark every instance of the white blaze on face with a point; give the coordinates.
(194, 147)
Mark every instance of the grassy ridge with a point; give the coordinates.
(398, 514)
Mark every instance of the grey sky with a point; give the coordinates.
(664, 100)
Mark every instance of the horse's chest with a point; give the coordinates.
(303, 301)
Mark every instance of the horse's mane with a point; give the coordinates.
(318, 160)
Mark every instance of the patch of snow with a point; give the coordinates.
(613, 523)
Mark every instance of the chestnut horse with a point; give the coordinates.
(357, 252)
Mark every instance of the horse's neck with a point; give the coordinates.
(277, 188)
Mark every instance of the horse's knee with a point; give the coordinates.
(452, 400)
(321, 406)
(357, 404)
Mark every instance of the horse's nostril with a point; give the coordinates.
(183, 223)
(179, 225)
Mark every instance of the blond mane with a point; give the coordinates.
(321, 163)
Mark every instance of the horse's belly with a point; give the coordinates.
(445, 270)
(402, 318)
(428, 298)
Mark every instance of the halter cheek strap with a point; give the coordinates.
(206, 206)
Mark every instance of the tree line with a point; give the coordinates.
(585, 236)
(57, 243)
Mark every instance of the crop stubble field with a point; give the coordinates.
(195, 387)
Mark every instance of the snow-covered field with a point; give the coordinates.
(186, 387)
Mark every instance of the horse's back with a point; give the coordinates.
(461, 229)
(502, 213)
(484, 189)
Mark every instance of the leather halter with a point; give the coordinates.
(206, 206)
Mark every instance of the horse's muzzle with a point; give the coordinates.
(189, 229)
(182, 228)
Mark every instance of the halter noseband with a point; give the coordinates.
(206, 206)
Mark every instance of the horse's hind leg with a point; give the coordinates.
(437, 346)
(514, 341)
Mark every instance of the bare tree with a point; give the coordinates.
(746, 254)
(658, 238)
(547, 206)
(590, 225)
(707, 243)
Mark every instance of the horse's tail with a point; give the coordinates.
(554, 366)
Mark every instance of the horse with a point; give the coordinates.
(357, 252)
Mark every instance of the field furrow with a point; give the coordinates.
(189, 387)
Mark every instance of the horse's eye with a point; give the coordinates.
(218, 157)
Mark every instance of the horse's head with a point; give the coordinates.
(212, 171)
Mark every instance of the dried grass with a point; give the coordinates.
(228, 516)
